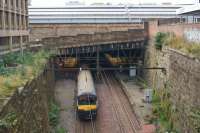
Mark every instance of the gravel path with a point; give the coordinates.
(64, 95)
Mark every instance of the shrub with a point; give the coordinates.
(162, 109)
(185, 46)
(60, 130)
(27, 67)
(54, 111)
(159, 40)
(195, 118)
(8, 121)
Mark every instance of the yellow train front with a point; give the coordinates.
(86, 96)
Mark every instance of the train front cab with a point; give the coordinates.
(87, 107)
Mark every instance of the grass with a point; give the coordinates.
(184, 46)
(162, 111)
(8, 121)
(159, 40)
(54, 113)
(60, 130)
(195, 118)
(170, 40)
(17, 69)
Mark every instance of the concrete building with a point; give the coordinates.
(191, 13)
(102, 13)
(13, 25)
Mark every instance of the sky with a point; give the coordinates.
(87, 2)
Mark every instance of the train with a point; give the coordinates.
(87, 103)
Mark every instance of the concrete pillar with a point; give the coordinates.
(98, 67)
(20, 22)
(3, 17)
(9, 16)
(10, 43)
(19, 16)
(15, 15)
(21, 44)
(24, 24)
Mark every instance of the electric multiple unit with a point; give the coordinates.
(86, 96)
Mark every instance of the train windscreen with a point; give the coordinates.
(87, 100)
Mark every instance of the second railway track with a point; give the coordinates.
(128, 121)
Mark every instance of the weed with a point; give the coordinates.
(195, 118)
(24, 68)
(162, 109)
(54, 111)
(8, 121)
(60, 130)
(159, 40)
(178, 43)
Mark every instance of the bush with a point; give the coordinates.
(54, 111)
(162, 110)
(178, 43)
(26, 67)
(160, 39)
(60, 130)
(8, 121)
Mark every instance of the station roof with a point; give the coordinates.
(101, 13)
(193, 10)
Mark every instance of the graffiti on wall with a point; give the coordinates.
(192, 35)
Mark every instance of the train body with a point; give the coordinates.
(86, 96)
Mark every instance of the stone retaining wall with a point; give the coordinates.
(182, 78)
(29, 106)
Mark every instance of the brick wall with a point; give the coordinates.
(39, 31)
(30, 106)
(82, 39)
(189, 31)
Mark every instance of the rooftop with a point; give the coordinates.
(189, 10)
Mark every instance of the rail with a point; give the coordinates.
(110, 82)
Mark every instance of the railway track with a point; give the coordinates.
(82, 126)
(115, 114)
(126, 118)
(85, 126)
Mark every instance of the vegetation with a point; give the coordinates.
(141, 82)
(8, 121)
(60, 130)
(162, 111)
(195, 118)
(54, 111)
(170, 40)
(17, 69)
(184, 46)
(159, 40)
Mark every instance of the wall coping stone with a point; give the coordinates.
(189, 56)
